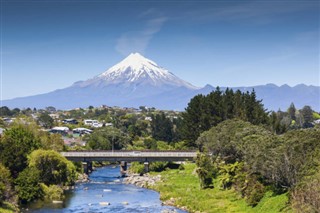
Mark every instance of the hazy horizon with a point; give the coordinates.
(49, 45)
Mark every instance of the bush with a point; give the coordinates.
(52, 192)
(157, 166)
(55, 169)
(5, 183)
(306, 196)
(181, 167)
(27, 185)
(136, 167)
(254, 193)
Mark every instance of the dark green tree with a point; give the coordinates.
(204, 112)
(5, 184)
(292, 111)
(55, 169)
(192, 125)
(108, 138)
(45, 120)
(16, 143)
(307, 114)
(28, 185)
(205, 170)
(161, 128)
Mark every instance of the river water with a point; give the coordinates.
(105, 186)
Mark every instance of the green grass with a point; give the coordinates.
(183, 185)
(7, 208)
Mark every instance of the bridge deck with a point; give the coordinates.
(129, 156)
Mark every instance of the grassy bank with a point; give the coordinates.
(183, 186)
(7, 208)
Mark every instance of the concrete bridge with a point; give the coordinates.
(127, 156)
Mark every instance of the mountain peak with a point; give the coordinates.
(135, 61)
(137, 69)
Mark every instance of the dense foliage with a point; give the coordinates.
(249, 158)
(15, 145)
(243, 147)
(107, 138)
(203, 112)
(5, 184)
(55, 169)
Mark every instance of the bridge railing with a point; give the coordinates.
(129, 154)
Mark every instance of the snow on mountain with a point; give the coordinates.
(136, 69)
(138, 81)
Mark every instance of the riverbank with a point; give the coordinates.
(8, 208)
(180, 188)
(145, 180)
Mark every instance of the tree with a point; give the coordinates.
(307, 114)
(204, 112)
(45, 120)
(192, 125)
(55, 169)
(5, 184)
(108, 138)
(28, 186)
(5, 111)
(292, 111)
(298, 156)
(16, 143)
(205, 170)
(51, 141)
(161, 127)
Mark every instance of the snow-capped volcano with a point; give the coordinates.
(136, 69)
(138, 81)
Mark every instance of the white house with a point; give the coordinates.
(93, 123)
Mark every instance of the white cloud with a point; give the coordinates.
(138, 41)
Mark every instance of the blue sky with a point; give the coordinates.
(50, 44)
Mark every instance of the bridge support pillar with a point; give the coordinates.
(87, 167)
(123, 168)
(146, 166)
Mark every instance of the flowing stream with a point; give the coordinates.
(105, 187)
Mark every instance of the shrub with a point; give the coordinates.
(254, 192)
(157, 166)
(52, 192)
(27, 185)
(181, 167)
(136, 167)
(306, 196)
(5, 183)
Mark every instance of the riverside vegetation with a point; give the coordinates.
(250, 160)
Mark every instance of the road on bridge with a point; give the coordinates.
(130, 156)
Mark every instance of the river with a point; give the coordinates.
(104, 187)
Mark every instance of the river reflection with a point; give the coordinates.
(105, 187)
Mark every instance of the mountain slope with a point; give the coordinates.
(136, 70)
(138, 81)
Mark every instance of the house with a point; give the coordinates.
(70, 121)
(8, 120)
(54, 116)
(60, 130)
(148, 119)
(82, 131)
(317, 121)
(92, 123)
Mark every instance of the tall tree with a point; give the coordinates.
(292, 111)
(307, 114)
(203, 112)
(161, 127)
(16, 143)
(45, 120)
